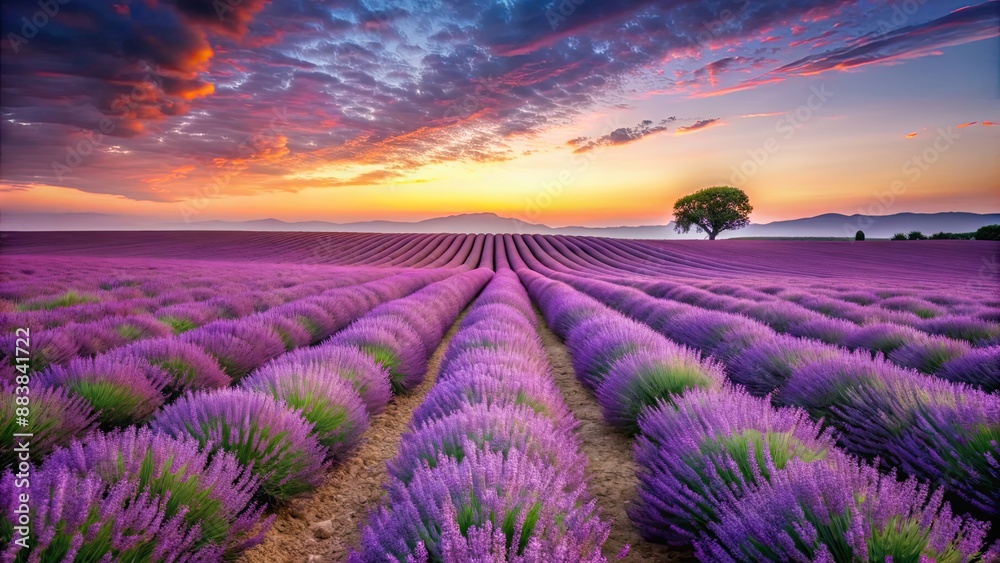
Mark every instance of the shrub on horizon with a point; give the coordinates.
(988, 232)
(898, 236)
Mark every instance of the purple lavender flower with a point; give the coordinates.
(498, 429)
(80, 518)
(929, 353)
(841, 512)
(369, 379)
(48, 347)
(186, 365)
(486, 507)
(292, 334)
(596, 344)
(493, 361)
(979, 367)
(239, 346)
(56, 418)
(779, 315)
(920, 307)
(882, 337)
(329, 403)
(261, 432)
(953, 440)
(481, 387)
(721, 334)
(825, 329)
(183, 317)
(122, 390)
(963, 327)
(708, 449)
(213, 497)
(318, 322)
(639, 380)
(392, 344)
(767, 365)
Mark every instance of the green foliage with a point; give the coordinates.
(899, 236)
(178, 325)
(67, 299)
(713, 210)
(952, 236)
(860, 235)
(916, 235)
(989, 232)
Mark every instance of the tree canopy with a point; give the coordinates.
(713, 210)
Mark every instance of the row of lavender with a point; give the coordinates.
(86, 329)
(936, 354)
(952, 359)
(945, 309)
(728, 473)
(490, 469)
(946, 433)
(127, 385)
(191, 486)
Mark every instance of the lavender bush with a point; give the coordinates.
(709, 449)
(486, 507)
(330, 404)
(122, 390)
(262, 433)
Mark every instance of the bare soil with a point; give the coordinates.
(611, 470)
(325, 525)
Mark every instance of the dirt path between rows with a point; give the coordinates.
(324, 526)
(610, 471)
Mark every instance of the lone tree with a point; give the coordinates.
(713, 210)
(860, 235)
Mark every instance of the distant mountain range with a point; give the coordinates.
(827, 225)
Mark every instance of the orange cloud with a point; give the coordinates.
(989, 123)
(966, 124)
(768, 114)
(699, 126)
(911, 135)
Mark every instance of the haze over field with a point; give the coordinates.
(585, 113)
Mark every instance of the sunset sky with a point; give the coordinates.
(573, 112)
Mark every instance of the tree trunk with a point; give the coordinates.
(712, 235)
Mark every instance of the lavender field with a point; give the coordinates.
(373, 397)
